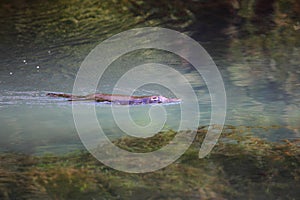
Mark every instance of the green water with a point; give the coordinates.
(43, 43)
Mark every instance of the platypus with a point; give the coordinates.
(117, 98)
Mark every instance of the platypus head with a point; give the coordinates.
(162, 99)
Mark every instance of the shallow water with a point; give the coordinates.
(43, 44)
(255, 47)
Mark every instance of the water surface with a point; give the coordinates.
(43, 44)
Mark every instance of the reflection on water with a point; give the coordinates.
(43, 44)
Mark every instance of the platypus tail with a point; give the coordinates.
(59, 95)
(69, 96)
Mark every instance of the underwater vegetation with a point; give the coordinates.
(241, 166)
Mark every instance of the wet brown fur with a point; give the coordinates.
(101, 97)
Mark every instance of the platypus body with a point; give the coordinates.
(117, 98)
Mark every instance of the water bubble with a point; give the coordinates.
(38, 67)
(10, 73)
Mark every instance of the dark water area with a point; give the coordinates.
(255, 45)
